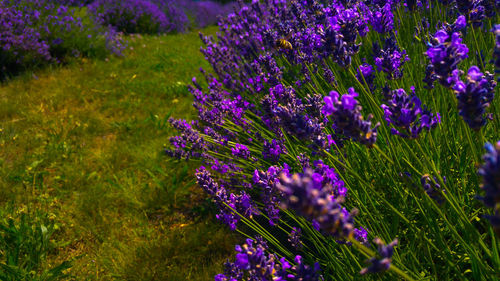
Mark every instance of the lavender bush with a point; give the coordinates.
(158, 16)
(34, 32)
(325, 117)
(130, 16)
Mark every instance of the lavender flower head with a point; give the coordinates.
(302, 195)
(295, 238)
(445, 53)
(241, 151)
(385, 252)
(361, 234)
(407, 114)
(347, 118)
(474, 96)
(490, 171)
(366, 74)
(390, 59)
(272, 150)
(382, 19)
(253, 262)
(433, 189)
(228, 203)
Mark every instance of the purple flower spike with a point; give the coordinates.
(382, 19)
(295, 238)
(253, 262)
(347, 118)
(474, 96)
(445, 53)
(361, 234)
(242, 203)
(433, 189)
(317, 204)
(272, 150)
(240, 150)
(407, 113)
(390, 59)
(490, 171)
(366, 71)
(385, 252)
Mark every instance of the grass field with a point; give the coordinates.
(81, 150)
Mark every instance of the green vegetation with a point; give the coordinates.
(81, 155)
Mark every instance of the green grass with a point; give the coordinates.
(83, 144)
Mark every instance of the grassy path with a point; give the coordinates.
(81, 147)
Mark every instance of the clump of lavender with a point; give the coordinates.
(490, 171)
(433, 188)
(384, 262)
(317, 203)
(347, 118)
(189, 144)
(178, 20)
(408, 114)
(35, 32)
(474, 96)
(207, 12)
(228, 203)
(445, 53)
(138, 16)
(390, 59)
(252, 262)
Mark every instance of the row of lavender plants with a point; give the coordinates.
(353, 138)
(157, 16)
(35, 32)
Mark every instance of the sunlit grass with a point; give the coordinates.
(83, 143)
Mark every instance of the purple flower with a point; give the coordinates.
(382, 19)
(316, 204)
(474, 96)
(433, 188)
(407, 113)
(390, 59)
(366, 74)
(272, 150)
(361, 234)
(490, 172)
(473, 10)
(253, 262)
(240, 150)
(445, 53)
(384, 262)
(295, 238)
(35, 32)
(347, 118)
(228, 203)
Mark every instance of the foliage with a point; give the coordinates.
(80, 141)
(24, 245)
(296, 130)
